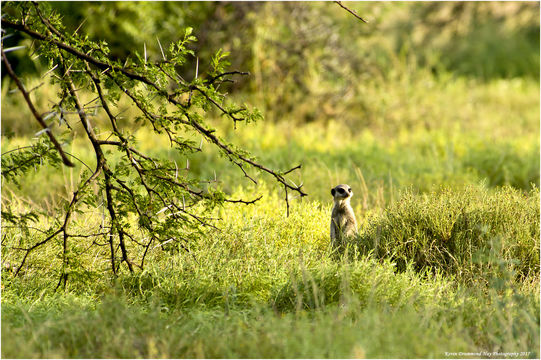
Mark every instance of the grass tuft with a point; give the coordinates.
(454, 231)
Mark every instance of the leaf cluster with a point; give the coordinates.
(142, 196)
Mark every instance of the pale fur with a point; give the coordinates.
(343, 222)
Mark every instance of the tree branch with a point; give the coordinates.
(100, 158)
(192, 122)
(351, 12)
(32, 108)
(166, 203)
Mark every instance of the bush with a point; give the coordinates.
(456, 231)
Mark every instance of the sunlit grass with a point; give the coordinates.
(273, 285)
(445, 172)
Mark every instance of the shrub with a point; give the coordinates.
(455, 230)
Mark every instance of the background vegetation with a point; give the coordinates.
(430, 112)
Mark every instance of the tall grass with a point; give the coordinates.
(114, 329)
(269, 286)
(445, 172)
(453, 232)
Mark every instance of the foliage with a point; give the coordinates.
(272, 284)
(485, 131)
(452, 233)
(435, 128)
(502, 40)
(310, 60)
(87, 331)
(168, 204)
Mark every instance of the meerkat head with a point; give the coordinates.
(341, 192)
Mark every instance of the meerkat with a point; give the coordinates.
(343, 222)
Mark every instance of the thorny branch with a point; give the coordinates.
(170, 98)
(32, 108)
(160, 184)
(102, 164)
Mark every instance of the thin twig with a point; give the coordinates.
(351, 12)
(290, 170)
(287, 201)
(235, 72)
(244, 201)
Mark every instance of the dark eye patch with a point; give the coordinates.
(341, 191)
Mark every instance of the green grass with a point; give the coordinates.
(445, 173)
(457, 232)
(269, 286)
(114, 329)
(413, 130)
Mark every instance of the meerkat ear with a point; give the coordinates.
(332, 192)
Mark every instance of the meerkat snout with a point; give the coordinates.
(343, 222)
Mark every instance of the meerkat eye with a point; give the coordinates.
(349, 190)
(341, 191)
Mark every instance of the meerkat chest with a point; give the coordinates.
(341, 215)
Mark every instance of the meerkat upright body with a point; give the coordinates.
(343, 222)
